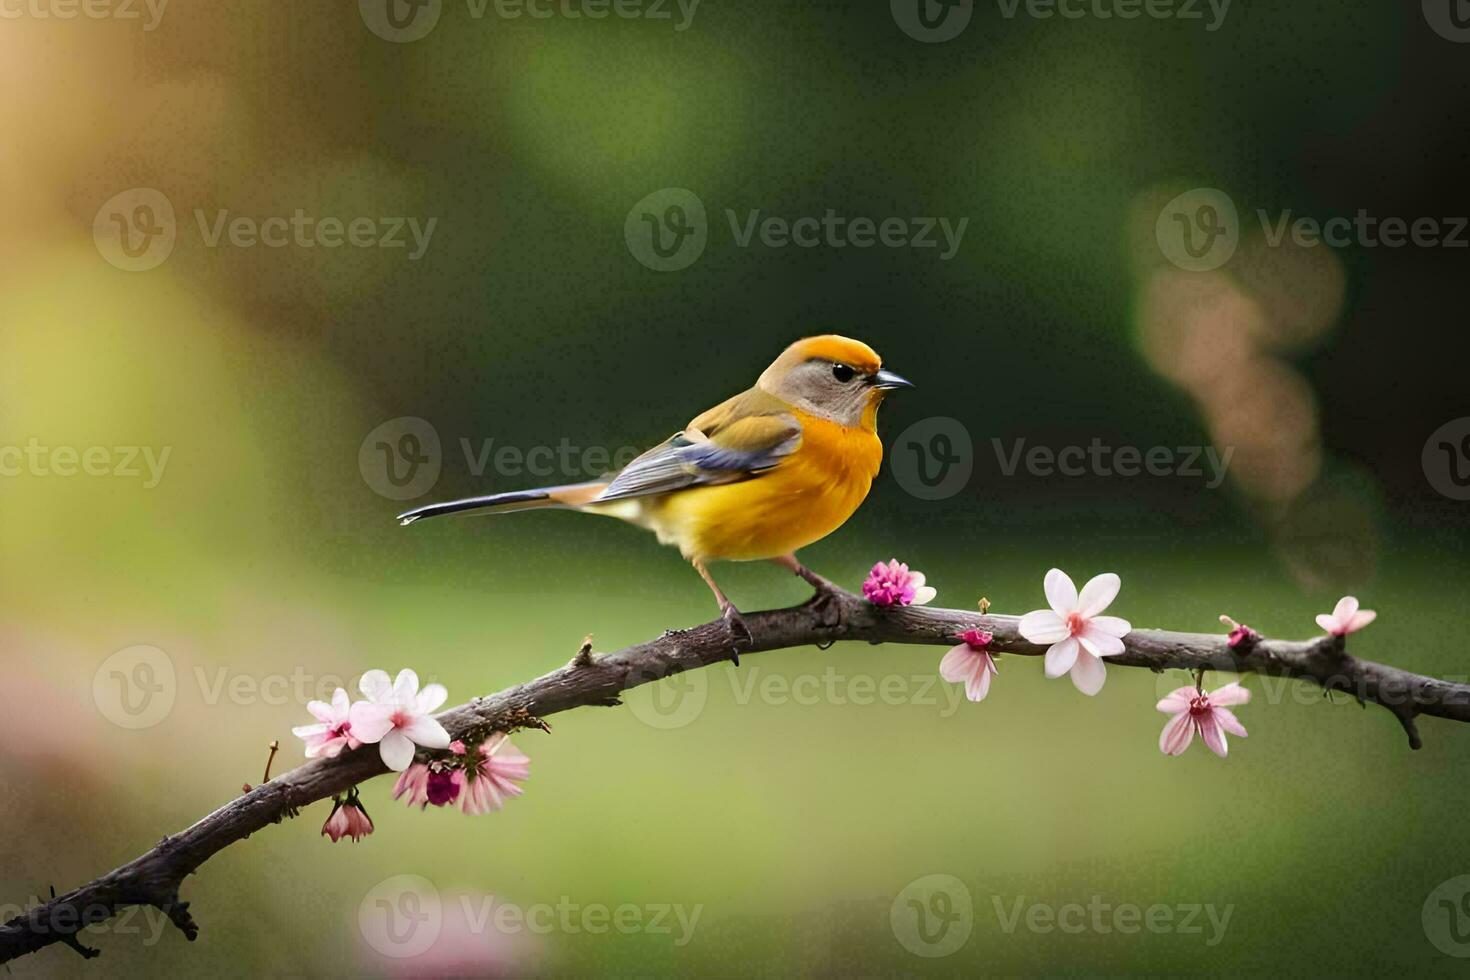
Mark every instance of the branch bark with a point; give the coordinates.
(155, 877)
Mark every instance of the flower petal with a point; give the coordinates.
(375, 685)
(1111, 625)
(427, 732)
(1210, 731)
(1177, 734)
(430, 698)
(1061, 656)
(1043, 626)
(924, 595)
(1089, 673)
(1099, 641)
(1326, 621)
(1098, 594)
(958, 664)
(371, 721)
(1061, 594)
(1360, 619)
(329, 750)
(307, 731)
(341, 701)
(1345, 609)
(979, 685)
(320, 710)
(406, 686)
(1176, 700)
(396, 750)
(1229, 722)
(1231, 693)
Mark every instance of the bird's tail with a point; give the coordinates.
(573, 495)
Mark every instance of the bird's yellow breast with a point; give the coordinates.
(807, 496)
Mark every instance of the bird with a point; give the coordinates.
(759, 476)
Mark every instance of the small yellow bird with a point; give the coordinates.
(759, 476)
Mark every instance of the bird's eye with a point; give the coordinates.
(843, 373)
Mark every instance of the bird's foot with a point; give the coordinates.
(827, 601)
(740, 634)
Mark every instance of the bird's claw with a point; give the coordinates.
(739, 632)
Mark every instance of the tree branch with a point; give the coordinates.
(155, 877)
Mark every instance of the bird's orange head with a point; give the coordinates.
(832, 377)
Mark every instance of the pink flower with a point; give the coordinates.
(1346, 617)
(894, 585)
(1078, 635)
(1242, 634)
(441, 787)
(397, 716)
(348, 819)
(970, 663)
(1196, 710)
(333, 734)
(487, 782)
(413, 785)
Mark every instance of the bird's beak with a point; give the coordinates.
(886, 380)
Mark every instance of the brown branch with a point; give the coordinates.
(155, 877)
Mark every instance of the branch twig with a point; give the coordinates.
(155, 877)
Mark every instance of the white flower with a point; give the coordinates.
(333, 731)
(1346, 617)
(396, 716)
(1079, 637)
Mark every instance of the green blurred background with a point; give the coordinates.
(794, 823)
